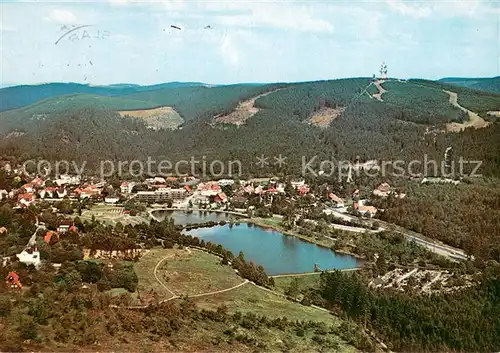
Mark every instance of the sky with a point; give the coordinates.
(224, 42)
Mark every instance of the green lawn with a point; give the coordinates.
(250, 298)
(144, 269)
(110, 214)
(197, 273)
(306, 281)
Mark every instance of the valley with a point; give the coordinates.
(270, 258)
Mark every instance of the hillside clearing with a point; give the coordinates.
(196, 272)
(323, 117)
(252, 298)
(475, 120)
(145, 267)
(157, 118)
(381, 90)
(244, 111)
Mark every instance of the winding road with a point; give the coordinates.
(440, 249)
(474, 119)
(381, 90)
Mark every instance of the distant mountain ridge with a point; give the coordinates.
(487, 84)
(20, 96)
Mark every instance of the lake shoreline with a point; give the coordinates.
(279, 229)
(257, 222)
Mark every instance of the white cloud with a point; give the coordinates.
(444, 9)
(415, 11)
(229, 52)
(61, 16)
(7, 28)
(169, 5)
(271, 15)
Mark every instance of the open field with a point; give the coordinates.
(145, 270)
(251, 298)
(196, 272)
(110, 214)
(304, 282)
(157, 118)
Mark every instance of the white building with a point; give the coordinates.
(126, 187)
(32, 258)
(3, 194)
(68, 180)
(156, 180)
(297, 184)
(162, 194)
(63, 228)
(225, 182)
(111, 200)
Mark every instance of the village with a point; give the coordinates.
(267, 201)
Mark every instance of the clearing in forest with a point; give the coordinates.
(157, 118)
(381, 90)
(244, 111)
(323, 117)
(474, 119)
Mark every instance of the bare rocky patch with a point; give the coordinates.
(323, 117)
(157, 118)
(474, 121)
(244, 111)
(381, 90)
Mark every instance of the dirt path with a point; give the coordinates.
(381, 90)
(160, 281)
(175, 296)
(219, 291)
(474, 120)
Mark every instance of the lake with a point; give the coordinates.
(278, 253)
(182, 217)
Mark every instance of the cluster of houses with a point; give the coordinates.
(213, 194)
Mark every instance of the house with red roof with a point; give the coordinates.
(336, 200)
(28, 188)
(221, 198)
(303, 189)
(126, 187)
(88, 191)
(51, 237)
(48, 191)
(25, 200)
(37, 183)
(13, 281)
(365, 210)
(209, 189)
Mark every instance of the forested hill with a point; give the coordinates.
(87, 127)
(21, 96)
(487, 84)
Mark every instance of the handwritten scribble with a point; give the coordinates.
(70, 31)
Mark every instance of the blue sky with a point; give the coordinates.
(247, 41)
